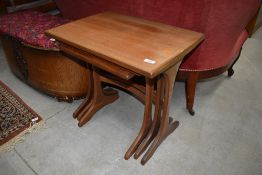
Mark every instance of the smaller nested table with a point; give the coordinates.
(137, 55)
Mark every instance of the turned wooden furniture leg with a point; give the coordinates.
(166, 125)
(230, 70)
(146, 125)
(99, 98)
(190, 91)
(156, 122)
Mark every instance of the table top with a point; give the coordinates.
(145, 47)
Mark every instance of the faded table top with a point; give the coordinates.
(145, 47)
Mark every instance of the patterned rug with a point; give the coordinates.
(16, 118)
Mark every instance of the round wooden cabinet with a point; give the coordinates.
(49, 71)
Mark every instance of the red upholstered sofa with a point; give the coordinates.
(222, 21)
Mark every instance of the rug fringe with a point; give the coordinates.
(10, 145)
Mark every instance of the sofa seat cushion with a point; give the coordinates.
(29, 27)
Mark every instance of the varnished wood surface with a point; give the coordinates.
(100, 63)
(114, 42)
(127, 41)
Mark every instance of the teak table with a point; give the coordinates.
(137, 55)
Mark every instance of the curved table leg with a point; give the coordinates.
(146, 125)
(86, 109)
(82, 107)
(165, 128)
(84, 104)
(155, 125)
(98, 99)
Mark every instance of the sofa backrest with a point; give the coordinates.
(222, 21)
(181, 13)
(224, 31)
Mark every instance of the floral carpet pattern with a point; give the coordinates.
(16, 118)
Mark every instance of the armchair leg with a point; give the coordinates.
(230, 70)
(190, 86)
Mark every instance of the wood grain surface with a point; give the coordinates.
(127, 41)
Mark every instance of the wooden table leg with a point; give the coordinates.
(146, 125)
(83, 106)
(88, 105)
(98, 99)
(156, 122)
(166, 125)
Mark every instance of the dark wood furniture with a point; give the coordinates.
(121, 49)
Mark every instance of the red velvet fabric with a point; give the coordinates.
(30, 26)
(222, 21)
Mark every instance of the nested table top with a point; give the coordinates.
(142, 46)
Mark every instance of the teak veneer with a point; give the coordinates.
(120, 49)
(127, 41)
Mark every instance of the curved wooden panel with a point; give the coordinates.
(51, 72)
